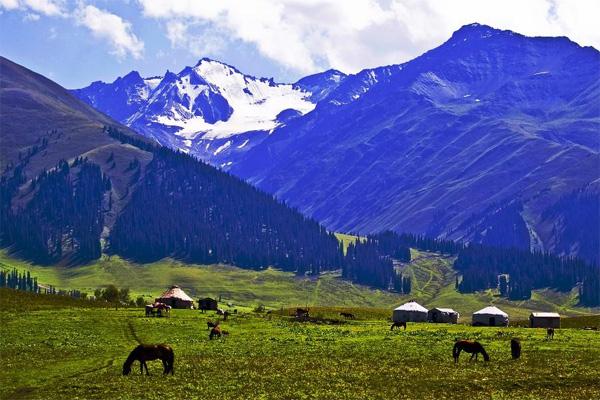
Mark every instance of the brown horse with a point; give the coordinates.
(149, 352)
(515, 348)
(550, 333)
(215, 331)
(347, 315)
(470, 347)
(398, 325)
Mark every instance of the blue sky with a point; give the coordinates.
(75, 42)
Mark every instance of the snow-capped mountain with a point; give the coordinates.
(491, 137)
(210, 109)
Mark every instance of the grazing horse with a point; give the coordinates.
(149, 310)
(347, 315)
(210, 325)
(163, 309)
(470, 347)
(550, 333)
(302, 314)
(515, 348)
(398, 325)
(215, 331)
(149, 352)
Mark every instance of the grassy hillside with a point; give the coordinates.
(78, 353)
(433, 285)
(347, 239)
(271, 287)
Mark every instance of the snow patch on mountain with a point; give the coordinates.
(254, 102)
(222, 147)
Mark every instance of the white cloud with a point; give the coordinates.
(309, 35)
(45, 7)
(196, 38)
(112, 28)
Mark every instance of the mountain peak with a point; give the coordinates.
(132, 76)
(207, 60)
(476, 31)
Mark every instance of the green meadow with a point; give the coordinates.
(433, 281)
(52, 350)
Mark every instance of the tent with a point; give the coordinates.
(176, 298)
(544, 320)
(490, 316)
(410, 312)
(208, 303)
(443, 315)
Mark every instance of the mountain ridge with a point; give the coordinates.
(490, 125)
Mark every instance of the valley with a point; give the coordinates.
(56, 353)
(432, 275)
(299, 200)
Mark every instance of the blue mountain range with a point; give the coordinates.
(492, 137)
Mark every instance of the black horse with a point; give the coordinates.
(347, 315)
(149, 352)
(470, 347)
(515, 348)
(398, 325)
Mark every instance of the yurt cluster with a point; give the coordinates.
(488, 316)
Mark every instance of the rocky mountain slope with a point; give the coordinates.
(475, 140)
(490, 137)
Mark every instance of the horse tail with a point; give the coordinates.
(456, 351)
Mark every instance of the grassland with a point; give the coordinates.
(346, 239)
(433, 285)
(77, 353)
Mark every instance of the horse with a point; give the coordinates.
(470, 347)
(163, 307)
(302, 314)
(398, 325)
(210, 324)
(225, 315)
(515, 348)
(550, 333)
(149, 352)
(215, 331)
(149, 310)
(347, 315)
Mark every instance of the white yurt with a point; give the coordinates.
(490, 316)
(410, 312)
(443, 315)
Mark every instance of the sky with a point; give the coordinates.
(76, 42)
